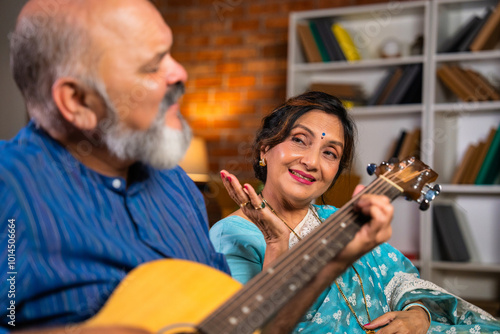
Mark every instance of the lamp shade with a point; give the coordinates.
(195, 162)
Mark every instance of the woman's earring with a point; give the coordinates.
(262, 162)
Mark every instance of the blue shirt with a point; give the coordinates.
(77, 233)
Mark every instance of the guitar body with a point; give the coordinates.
(166, 296)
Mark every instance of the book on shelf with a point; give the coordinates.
(380, 88)
(401, 85)
(410, 80)
(450, 238)
(452, 44)
(308, 43)
(317, 39)
(461, 168)
(489, 173)
(453, 80)
(396, 145)
(407, 144)
(389, 86)
(474, 164)
(488, 36)
(483, 88)
(467, 84)
(478, 162)
(329, 40)
(344, 91)
(469, 38)
(346, 43)
(411, 145)
(481, 162)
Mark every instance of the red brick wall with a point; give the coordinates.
(235, 52)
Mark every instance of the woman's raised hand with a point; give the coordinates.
(276, 234)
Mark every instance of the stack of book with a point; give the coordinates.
(476, 34)
(406, 145)
(401, 85)
(468, 85)
(480, 164)
(324, 40)
(350, 94)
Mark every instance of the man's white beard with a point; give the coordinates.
(160, 146)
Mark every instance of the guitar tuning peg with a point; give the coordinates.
(370, 169)
(429, 196)
(424, 205)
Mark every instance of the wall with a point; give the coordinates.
(12, 111)
(235, 53)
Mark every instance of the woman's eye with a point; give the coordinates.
(331, 154)
(297, 140)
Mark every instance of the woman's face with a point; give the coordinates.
(303, 166)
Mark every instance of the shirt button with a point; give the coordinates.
(117, 183)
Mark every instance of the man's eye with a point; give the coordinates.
(152, 69)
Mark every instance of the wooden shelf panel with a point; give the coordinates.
(360, 64)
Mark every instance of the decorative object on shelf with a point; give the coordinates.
(417, 47)
(390, 48)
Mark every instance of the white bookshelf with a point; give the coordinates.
(448, 125)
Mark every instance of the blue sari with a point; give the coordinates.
(389, 280)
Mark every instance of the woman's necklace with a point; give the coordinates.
(369, 331)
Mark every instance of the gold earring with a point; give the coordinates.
(262, 162)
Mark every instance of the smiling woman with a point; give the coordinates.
(299, 152)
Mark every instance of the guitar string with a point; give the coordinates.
(332, 228)
(264, 281)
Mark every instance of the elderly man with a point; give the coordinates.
(90, 188)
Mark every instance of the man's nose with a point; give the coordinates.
(175, 72)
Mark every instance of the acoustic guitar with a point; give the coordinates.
(177, 296)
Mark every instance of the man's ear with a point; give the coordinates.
(70, 97)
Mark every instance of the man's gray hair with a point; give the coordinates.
(45, 47)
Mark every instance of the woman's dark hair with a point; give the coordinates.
(276, 127)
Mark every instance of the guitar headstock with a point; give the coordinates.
(412, 176)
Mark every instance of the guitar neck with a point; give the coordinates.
(270, 290)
